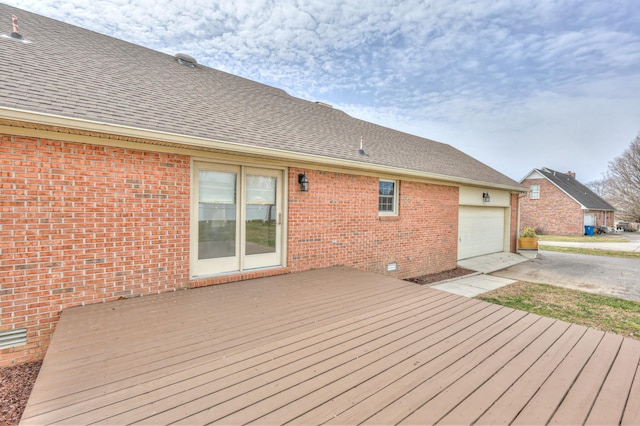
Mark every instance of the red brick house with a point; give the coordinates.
(127, 172)
(558, 204)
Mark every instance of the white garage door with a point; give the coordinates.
(480, 231)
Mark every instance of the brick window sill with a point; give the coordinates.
(389, 218)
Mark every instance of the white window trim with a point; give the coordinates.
(396, 186)
(534, 195)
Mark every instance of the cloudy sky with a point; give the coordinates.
(518, 84)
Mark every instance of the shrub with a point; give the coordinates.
(528, 232)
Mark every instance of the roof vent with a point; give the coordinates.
(187, 60)
(324, 105)
(15, 33)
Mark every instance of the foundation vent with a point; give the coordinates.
(15, 337)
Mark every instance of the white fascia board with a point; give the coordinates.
(527, 175)
(199, 142)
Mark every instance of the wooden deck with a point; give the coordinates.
(335, 346)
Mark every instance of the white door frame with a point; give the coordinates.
(239, 262)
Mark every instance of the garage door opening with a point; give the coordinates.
(480, 231)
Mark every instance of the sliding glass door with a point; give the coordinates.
(218, 218)
(262, 218)
(239, 218)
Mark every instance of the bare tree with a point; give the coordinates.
(622, 185)
(599, 186)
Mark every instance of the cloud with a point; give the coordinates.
(580, 128)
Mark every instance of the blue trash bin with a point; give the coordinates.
(588, 230)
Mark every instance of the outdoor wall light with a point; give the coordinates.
(303, 181)
(486, 197)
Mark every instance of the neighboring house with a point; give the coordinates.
(126, 172)
(558, 204)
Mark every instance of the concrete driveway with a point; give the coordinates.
(597, 274)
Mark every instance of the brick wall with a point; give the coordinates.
(554, 213)
(513, 228)
(84, 224)
(337, 223)
(602, 218)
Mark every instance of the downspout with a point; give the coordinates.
(520, 195)
(518, 221)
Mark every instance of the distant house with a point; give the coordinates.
(127, 172)
(558, 204)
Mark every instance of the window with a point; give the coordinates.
(388, 197)
(535, 192)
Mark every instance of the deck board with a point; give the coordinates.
(364, 398)
(453, 392)
(279, 353)
(578, 402)
(276, 367)
(259, 393)
(612, 398)
(505, 408)
(521, 378)
(336, 346)
(351, 389)
(357, 366)
(631, 415)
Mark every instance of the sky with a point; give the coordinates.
(517, 84)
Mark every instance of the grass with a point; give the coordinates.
(582, 238)
(589, 251)
(257, 231)
(590, 310)
(592, 252)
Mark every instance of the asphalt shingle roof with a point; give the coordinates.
(76, 73)
(576, 190)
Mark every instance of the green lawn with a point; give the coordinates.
(592, 252)
(262, 232)
(258, 231)
(583, 238)
(591, 310)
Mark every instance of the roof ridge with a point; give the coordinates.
(575, 189)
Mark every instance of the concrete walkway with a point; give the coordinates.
(494, 262)
(478, 283)
(471, 286)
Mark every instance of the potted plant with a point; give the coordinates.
(528, 239)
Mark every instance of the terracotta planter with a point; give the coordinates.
(528, 243)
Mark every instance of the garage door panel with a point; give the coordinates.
(480, 231)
